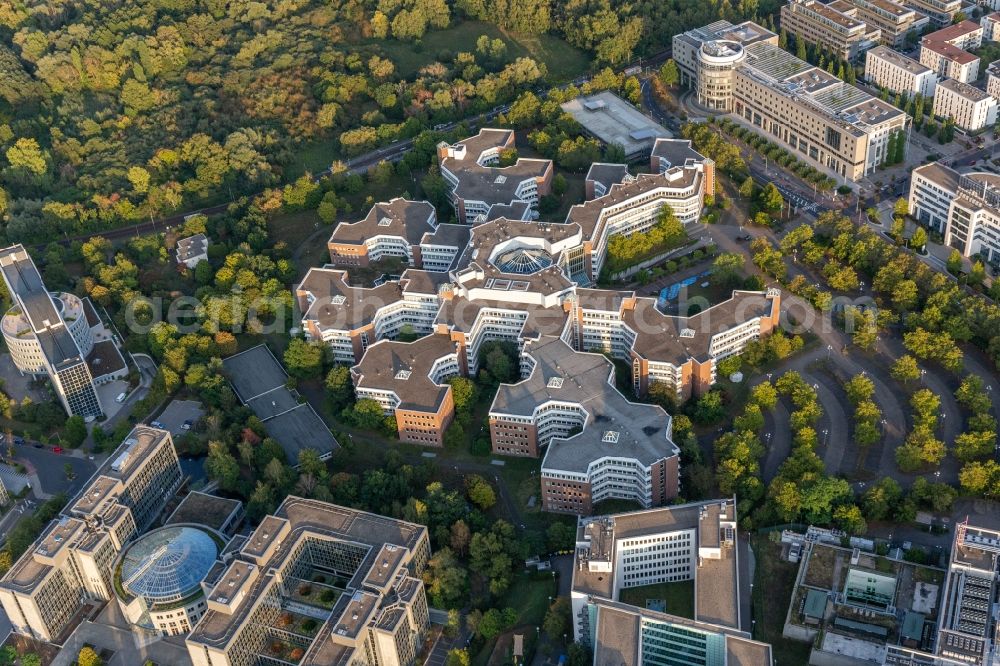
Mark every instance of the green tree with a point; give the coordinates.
(919, 239)
(221, 466)
(770, 198)
(848, 518)
(76, 431)
(746, 188)
(955, 262)
(458, 657)
(304, 359)
(905, 369)
(26, 154)
(87, 657)
(669, 73)
(480, 492)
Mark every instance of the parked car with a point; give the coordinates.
(121, 397)
(157, 424)
(56, 449)
(38, 445)
(187, 425)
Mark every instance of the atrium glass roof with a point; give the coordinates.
(523, 260)
(168, 564)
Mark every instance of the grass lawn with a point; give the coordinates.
(774, 582)
(562, 60)
(678, 595)
(528, 594)
(616, 506)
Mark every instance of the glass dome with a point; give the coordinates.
(523, 260)
(168, 564)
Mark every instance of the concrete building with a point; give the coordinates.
(192, 250)
(407, 230)
(971, 108)
(598, 445)
(813, 113)
(408, 380)
(991, 27)
(355, 574)
(967, 35)
(965, 208)
(73, 561)
(949, 62)
(601, 176)
(612, 120)
(690, 542)
(993, 80)
(894, 20)
(941, 13)
(707, 58)
(48, 334)
(472, 169)
(895, 72)
(842, 34)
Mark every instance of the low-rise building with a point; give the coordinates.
(471, 168)
(971, 108)
(965, 208)
(940, 12)
(354, 576)
(897, 73)
(966, 35)
(843, 34)
(612, 120)
(598, 445)
(991, 27)
(893, 19)
(949, 61)
(73, 561)
(993, 80)
(192, 250)
(407, 379)
(689, 542)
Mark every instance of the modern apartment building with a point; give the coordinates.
(894, 20)
(842, 34)
(74, 558)
(598, 445)
(965, 208)
(991, 27)
(966, 35)
(947, 51)
(689, 542)
(895, 72)
(971, 108)
(941, 13)
(399, 228)
(48, 334)
(993, 80)
(356, 574)
(472, 169)
(408, 380)
(707, 58)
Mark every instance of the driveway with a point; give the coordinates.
(48, 467)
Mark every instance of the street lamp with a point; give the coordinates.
(826, 432)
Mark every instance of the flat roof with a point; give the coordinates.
(105, 359)
(399, 217)
(490, 184)
(334, 304)
(614, 121)
(405, 368)
(896, 58)
(964, 90)
(208, 510)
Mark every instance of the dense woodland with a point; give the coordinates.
(114, 112)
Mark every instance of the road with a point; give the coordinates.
(49, 469)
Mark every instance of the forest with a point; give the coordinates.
(116, 112)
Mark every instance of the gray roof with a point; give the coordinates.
(340, 306)
(105, 359)
(965, 90)
(449, 235)
(259, 381)
(607, 174)
(515, 210)
(676, 152)
(399, 217)
(614, 121)
(940, 174)
(191, 247)
(415, 281)
(383, 361)
(487, 183)
(640, 430)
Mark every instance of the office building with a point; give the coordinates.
(407, 230)
(598, 445)
(839, 33)
(993, 80)
(941, 13)
(895, 72)
(965, 208)
(971, 108)
(407, 379)
(894, 20)
(707, 58)
(48, 335)
(689, 542)
(477, 182)
(354, 576)
(73, 561)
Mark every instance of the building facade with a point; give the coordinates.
(897, 73)
(940, 13)
(971, 108)
(840, 33)
(993, 80)
(949, 61)
(894, 20)
(376, 614)
(707, 58)
(74, 558)
(48, 334)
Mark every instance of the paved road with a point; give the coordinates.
(49, 468)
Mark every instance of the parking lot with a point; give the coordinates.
(179, 411)
(107, 393)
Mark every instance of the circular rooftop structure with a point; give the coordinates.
(523, 260)
(168, 564)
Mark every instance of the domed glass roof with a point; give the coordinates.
(168, 564)
(523, 260)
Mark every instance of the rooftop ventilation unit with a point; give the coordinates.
(687, 332)
(403, 375)
(610, 437)
(338, 300)
(385, 222)
(555, 383)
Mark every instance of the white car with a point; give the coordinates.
(121, 397)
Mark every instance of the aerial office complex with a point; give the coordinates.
(472, 169)
(690, 542)
(354, 574)
(48, 335)
(75, 557)
(897, 73)
(964, 208)
(894, 20)
(811, 112)
(840, 33)
(971, 108)
(941, 13)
